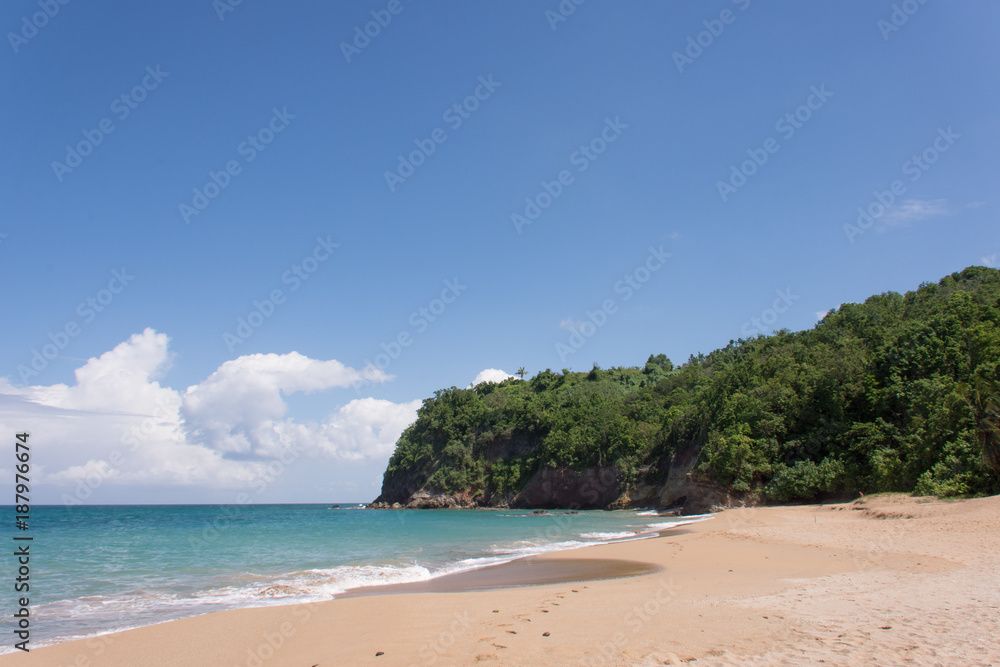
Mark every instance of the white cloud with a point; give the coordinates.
(116, 423)
(364, 428)
(491, 375)
(237, 407)
(569, 324)
(913, 210)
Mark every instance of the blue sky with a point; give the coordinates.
(648, 112)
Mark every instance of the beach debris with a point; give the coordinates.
(378, 653)
(512, 632)
(496, 611)
(546, 634)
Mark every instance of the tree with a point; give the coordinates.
(983, 398)
(520, 371)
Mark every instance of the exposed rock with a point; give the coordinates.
(641, 496)
(556, 488)
(683, 490)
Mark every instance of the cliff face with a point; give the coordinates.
(563, 488)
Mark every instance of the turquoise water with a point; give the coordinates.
(103, 568)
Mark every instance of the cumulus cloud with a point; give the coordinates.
(236, 409)
(364, 428)
(117, 423)
(491, 375)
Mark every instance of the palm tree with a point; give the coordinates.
(983, 398)
(520, 371)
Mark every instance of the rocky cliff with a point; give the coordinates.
(563, 488)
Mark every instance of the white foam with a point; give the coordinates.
(676, 524)
(608, 536)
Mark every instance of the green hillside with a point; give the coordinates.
(899, 393)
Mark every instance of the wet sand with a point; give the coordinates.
(522, 572)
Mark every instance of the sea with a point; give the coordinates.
(100, 569)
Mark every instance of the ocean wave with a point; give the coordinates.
(665, 525)
(609, 536)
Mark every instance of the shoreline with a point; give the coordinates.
(513, 572)
(512, 569)
(887, 580)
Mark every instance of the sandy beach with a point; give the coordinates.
(890, 580)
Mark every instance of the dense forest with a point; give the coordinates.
(899, 393)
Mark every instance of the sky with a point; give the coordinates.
(243, 242)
